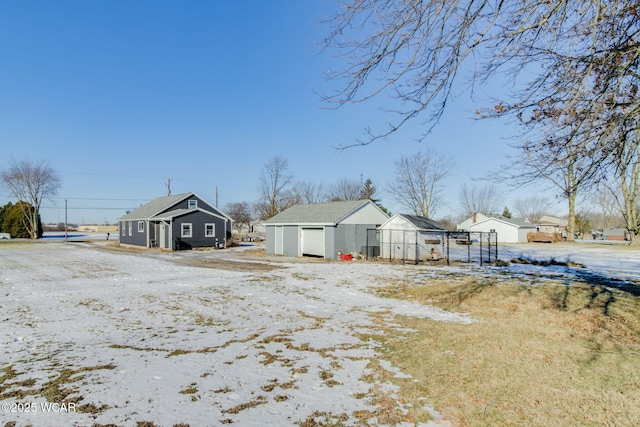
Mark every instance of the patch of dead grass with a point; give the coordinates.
(260, 400)
(538, 356)
(225, 264)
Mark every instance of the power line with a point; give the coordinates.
(85, 207)
(87, 198)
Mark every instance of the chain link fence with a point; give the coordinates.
(411, 246)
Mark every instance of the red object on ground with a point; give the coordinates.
(345, 257)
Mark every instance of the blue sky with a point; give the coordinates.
(120, 96)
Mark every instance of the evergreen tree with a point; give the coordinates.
(506, 213)
(368, 192)
(3, 211)
(15, 223)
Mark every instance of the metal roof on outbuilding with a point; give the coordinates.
(422, 222)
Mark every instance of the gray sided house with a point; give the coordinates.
(323, 229)
(183, 221)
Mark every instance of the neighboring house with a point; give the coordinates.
(476, 217)
(551, 224)
(183, 221)
(323, 229)
(410, 238)
(509, 230)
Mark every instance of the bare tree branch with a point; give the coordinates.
(418, 180)
(31, 182)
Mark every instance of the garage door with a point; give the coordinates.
(313, 241)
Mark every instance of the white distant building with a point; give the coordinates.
(509, 230)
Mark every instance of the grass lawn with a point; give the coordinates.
(540, 354)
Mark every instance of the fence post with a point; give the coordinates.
(448, 238)
(367, 245)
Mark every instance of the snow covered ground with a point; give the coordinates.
(148, 336)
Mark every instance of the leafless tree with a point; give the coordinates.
(571, 69)
(31, 182)
(450, 223)
(532, 208)
(545, 51)
(626, 170)
(240, 213)
(417, 181)
(274, 188)
(345, 189)
(563, 155)
(605, 212)
(484, 199)
(308, 192)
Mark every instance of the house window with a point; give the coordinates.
(193, 204)
(123, 227)
(209, 230)
(140, 226)
(130, 224)
(186, 230)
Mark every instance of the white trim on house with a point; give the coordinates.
(183, 230)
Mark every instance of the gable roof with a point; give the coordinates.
(419, 222)
(160, 205)
(317, 213)
(169, 215)
(517, 222)
(554, 220)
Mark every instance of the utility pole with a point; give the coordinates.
(168, 185)
(216, 197)
(65, 220)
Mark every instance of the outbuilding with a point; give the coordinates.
(323, 229)
(411, 238)
(181, 221)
